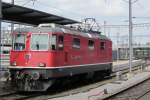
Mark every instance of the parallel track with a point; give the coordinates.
(133, 93)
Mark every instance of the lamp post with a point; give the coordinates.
(118, 46)
(104, 27)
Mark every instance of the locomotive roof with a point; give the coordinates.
(59, 28)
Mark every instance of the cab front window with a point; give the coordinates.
(39, 42)
(19, 42)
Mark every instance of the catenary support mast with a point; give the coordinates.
(130, 36)
(0, 31)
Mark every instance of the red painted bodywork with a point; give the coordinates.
(67, 56)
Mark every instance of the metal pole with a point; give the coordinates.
(12, 24)
(104, 27)
(12, 1)
(130, 36)
(0, 30)
(117, 46)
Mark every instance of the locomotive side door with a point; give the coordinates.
(103, 51)
(63, 55)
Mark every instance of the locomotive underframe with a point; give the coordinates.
(22, 77)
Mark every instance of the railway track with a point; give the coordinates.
(56, 92)
(134, 93)
(67, 90)
(78, 87)
(18, 96)
(75, 90)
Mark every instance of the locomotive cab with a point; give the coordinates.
(35, 49)
(32, 54)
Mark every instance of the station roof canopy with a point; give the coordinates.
(21, 14)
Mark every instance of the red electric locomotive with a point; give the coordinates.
(41, 55)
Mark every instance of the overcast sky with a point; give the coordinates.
(112, 11)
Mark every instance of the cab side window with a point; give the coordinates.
(60, 42)
(102, 45)
(53, 42)
(76, 43)
(91, 45)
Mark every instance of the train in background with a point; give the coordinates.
(5, 49)
(4, 59)
(40, 56)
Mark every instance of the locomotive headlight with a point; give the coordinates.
(13, 63)
(42, 64)
(35, 75)
(6, 75)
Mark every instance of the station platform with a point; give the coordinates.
(122, 62)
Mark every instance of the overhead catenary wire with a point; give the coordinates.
(126, 26)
